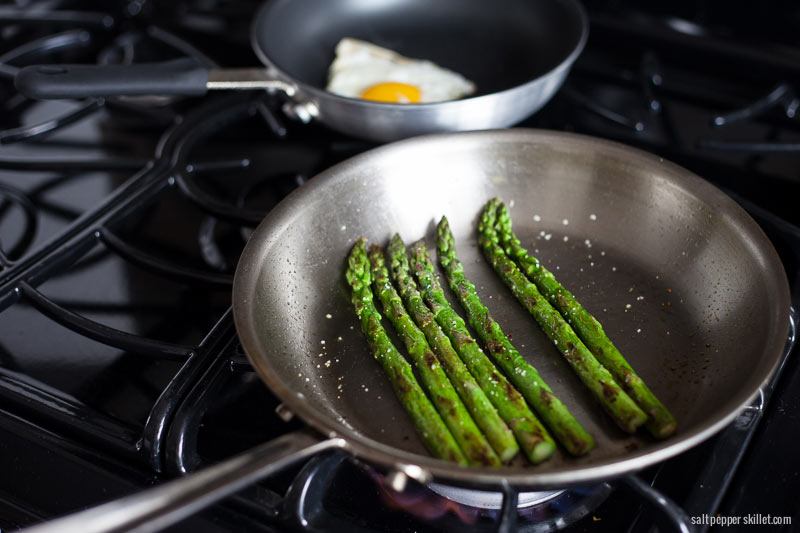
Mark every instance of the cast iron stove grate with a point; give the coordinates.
(143, 378)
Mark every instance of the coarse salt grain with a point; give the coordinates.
(592, 217)
(537, 218)
(565, 222)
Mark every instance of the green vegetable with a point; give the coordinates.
(483, 412)
(444, 397)
(627, 415)
(567, 430)
(533, 438)
(434, 433)
(661, 423)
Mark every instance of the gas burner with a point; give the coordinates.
(540, 511)
(483, 499)
(334, 493)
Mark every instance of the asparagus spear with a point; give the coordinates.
(597, 379)
(661, 423)
(567, 430)
(435, 435)
(483, 412)
(444, 397)
(533, 438)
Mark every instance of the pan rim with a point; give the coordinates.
(377, 453)
(317, 93)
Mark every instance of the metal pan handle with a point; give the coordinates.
(170, 502)
(180, 76)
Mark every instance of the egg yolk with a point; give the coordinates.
(399, 93)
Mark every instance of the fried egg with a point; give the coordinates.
(364, 70)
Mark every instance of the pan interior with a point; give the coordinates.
(498, 45)
(682, 280)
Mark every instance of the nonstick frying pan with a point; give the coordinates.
(683, 280)
(517, 52)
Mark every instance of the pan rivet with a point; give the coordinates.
(284, 413)
(415, 472)
(397, 480)
(303, 111)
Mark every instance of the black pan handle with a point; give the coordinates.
(46, 82)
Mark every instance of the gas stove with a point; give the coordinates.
(122, 219)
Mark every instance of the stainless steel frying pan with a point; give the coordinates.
(683, 280)
(517, 52)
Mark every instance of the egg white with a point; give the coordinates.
(360, 65)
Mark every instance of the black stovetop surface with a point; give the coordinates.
(121, 221)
